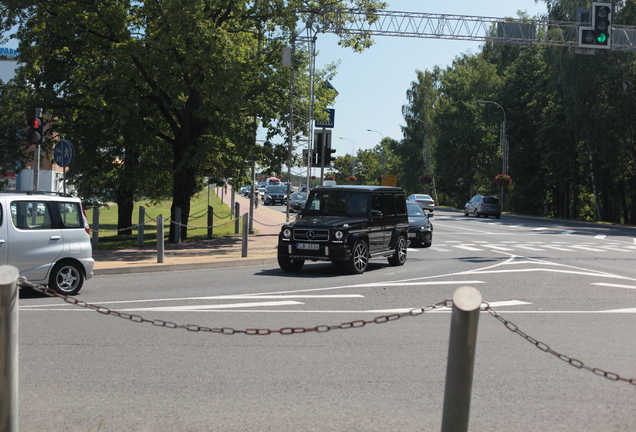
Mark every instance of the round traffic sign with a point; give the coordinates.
(63, 153)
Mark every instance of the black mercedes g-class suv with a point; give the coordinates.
(347, 225)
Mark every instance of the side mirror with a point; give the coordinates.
(430, 215)
(376, 214)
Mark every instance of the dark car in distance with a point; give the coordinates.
(297, 202)
(483, 205)
(275, 195)
(420, 226)
(347, 225)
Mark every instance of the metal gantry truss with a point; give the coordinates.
(460, 27)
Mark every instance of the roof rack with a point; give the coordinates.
(37, 192)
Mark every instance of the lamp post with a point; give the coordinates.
(504, 146)
(353, 170)
(381, 149)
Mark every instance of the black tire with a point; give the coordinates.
(66, 278)
(290, 265)
(359, 260)
(399, 257)
(497, 216)
(465, 212)
(428, 239)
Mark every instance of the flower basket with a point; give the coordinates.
(330, 177)
(351, 179)
(313, 177)
(503, 180)
(426, 179)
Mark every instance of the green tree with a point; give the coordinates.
(195, 75)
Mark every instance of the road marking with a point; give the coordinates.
(529, 248)
(558, 248)
(498, 247)
(614, 285)
(588, 248)
(468, 248)
(448, 309)
(600, 236)
(196, 308)
(567, 232)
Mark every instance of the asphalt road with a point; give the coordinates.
(571, 286)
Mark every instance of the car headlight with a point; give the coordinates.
(339, 235)
(287, 233)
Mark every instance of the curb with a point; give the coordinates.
(240, 262)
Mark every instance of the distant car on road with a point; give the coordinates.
(424, 201)
(420, 227)
(297, 202)
(483, 205)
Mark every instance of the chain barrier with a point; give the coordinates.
(229, 330)
(545, 348)
(270, 225)
(204, 227)
(612, 376)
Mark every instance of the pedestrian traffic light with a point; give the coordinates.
(36, 129)
(599, 35)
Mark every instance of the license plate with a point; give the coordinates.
(412, 235)
(308, 246)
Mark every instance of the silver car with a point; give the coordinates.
(50, 246)
(424, 201)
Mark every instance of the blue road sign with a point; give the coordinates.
(63, 153)
(330, 122)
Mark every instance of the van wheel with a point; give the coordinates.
(66, 278)
(359, 260)
(290, 265)
(399, 257)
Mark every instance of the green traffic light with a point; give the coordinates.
(602, 38)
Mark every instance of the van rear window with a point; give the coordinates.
(491, 200)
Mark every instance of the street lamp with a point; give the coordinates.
(381, 148)
(353, 170)
(504, 146)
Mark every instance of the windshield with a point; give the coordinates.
(338, 203)
(414, 210)
(276, 189)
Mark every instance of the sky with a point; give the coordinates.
(372, 85)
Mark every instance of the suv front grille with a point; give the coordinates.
(311, 235)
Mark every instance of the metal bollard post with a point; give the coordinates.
(95, 238)
(246, 229)
(140, 228)
(9, 348)
(237, 213)
(461, 359)
(160, 245)
(177, 225)
(210, 221)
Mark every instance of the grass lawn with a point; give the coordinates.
(109, 237)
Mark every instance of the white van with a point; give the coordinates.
(46, 237)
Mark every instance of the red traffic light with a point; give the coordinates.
(36, 130)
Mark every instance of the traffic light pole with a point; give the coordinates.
(36, 158)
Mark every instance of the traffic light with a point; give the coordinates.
(36, 130)
(328, 156)
(599, 35)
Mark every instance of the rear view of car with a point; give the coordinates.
(424, 201)
(483, 205)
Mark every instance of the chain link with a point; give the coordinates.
(545, 348)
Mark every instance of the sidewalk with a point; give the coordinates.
(204, 254)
